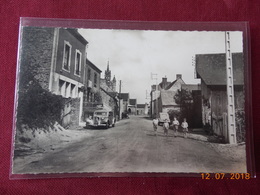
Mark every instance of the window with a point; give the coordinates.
(72, 91)
(62, 87)
(67, 90)
(89, 74)
(66, 56)
(77, 63)
(95, 79)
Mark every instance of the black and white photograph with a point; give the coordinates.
(92, 100)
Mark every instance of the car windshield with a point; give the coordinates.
(101, 113)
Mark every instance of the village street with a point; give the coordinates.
(131, 146)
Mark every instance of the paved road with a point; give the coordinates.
(131, 146)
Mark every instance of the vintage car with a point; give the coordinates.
(102, 118)
(163, 117)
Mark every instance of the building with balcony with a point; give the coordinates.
(92, 96)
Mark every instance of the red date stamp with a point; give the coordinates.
(231, 176)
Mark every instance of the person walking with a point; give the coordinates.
(166, 127)
(185, 126)
(155, 125)
(175, 124)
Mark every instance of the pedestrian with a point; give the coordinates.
(185, 126)
(166, 127)
(155, 125)
(89, 121)
(175, 124)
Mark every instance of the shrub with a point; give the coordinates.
(37, 107)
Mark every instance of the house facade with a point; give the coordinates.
(92, 96)
(67, 68)
(132, 106)
(211, 69)
(142, 109)
(162, 95)
(56, 57)
(125, 101)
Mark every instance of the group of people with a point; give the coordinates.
(175, 124)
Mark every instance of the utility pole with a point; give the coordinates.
(154, 77)
(230, 92)
(119, 99)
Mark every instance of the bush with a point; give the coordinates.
(174, 113)
(37, 107)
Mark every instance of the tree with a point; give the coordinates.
(184, 99)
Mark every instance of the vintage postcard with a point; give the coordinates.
(96, 100)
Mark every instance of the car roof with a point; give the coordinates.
(102, 111)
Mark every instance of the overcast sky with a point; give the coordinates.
(133, 55)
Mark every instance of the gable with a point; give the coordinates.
(175, 85)
(167, 98)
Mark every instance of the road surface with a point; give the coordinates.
(131, 146)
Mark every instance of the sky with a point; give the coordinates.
(134, 55)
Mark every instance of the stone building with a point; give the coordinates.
(162, 95)
(56, 58)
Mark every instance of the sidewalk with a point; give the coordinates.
(198, 134)
(234, 152)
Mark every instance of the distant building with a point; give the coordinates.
(162, 95)
(132, 106)
(211, 69)
(100, 92)
(125, 102)
(111, 84)
(92, 97)
(142, 109)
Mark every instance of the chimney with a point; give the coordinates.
(164, 80)
(153, 87)
(178, 76)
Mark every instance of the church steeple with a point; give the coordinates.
(108, 73)
(114, 83)
(114, 79)
(107, 65)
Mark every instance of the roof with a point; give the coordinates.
(140, 105)
(132, 101)
(93, 66)
(124, 96)
(211, 68)
(113, 94)
(170, 85)
(104, 86)
(75, 33)
(167, 98)
(164, 85)
(191, 87)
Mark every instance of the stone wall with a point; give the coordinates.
(36, 53)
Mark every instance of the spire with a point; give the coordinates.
(108, 73)
(114, 79)
(108, 65)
